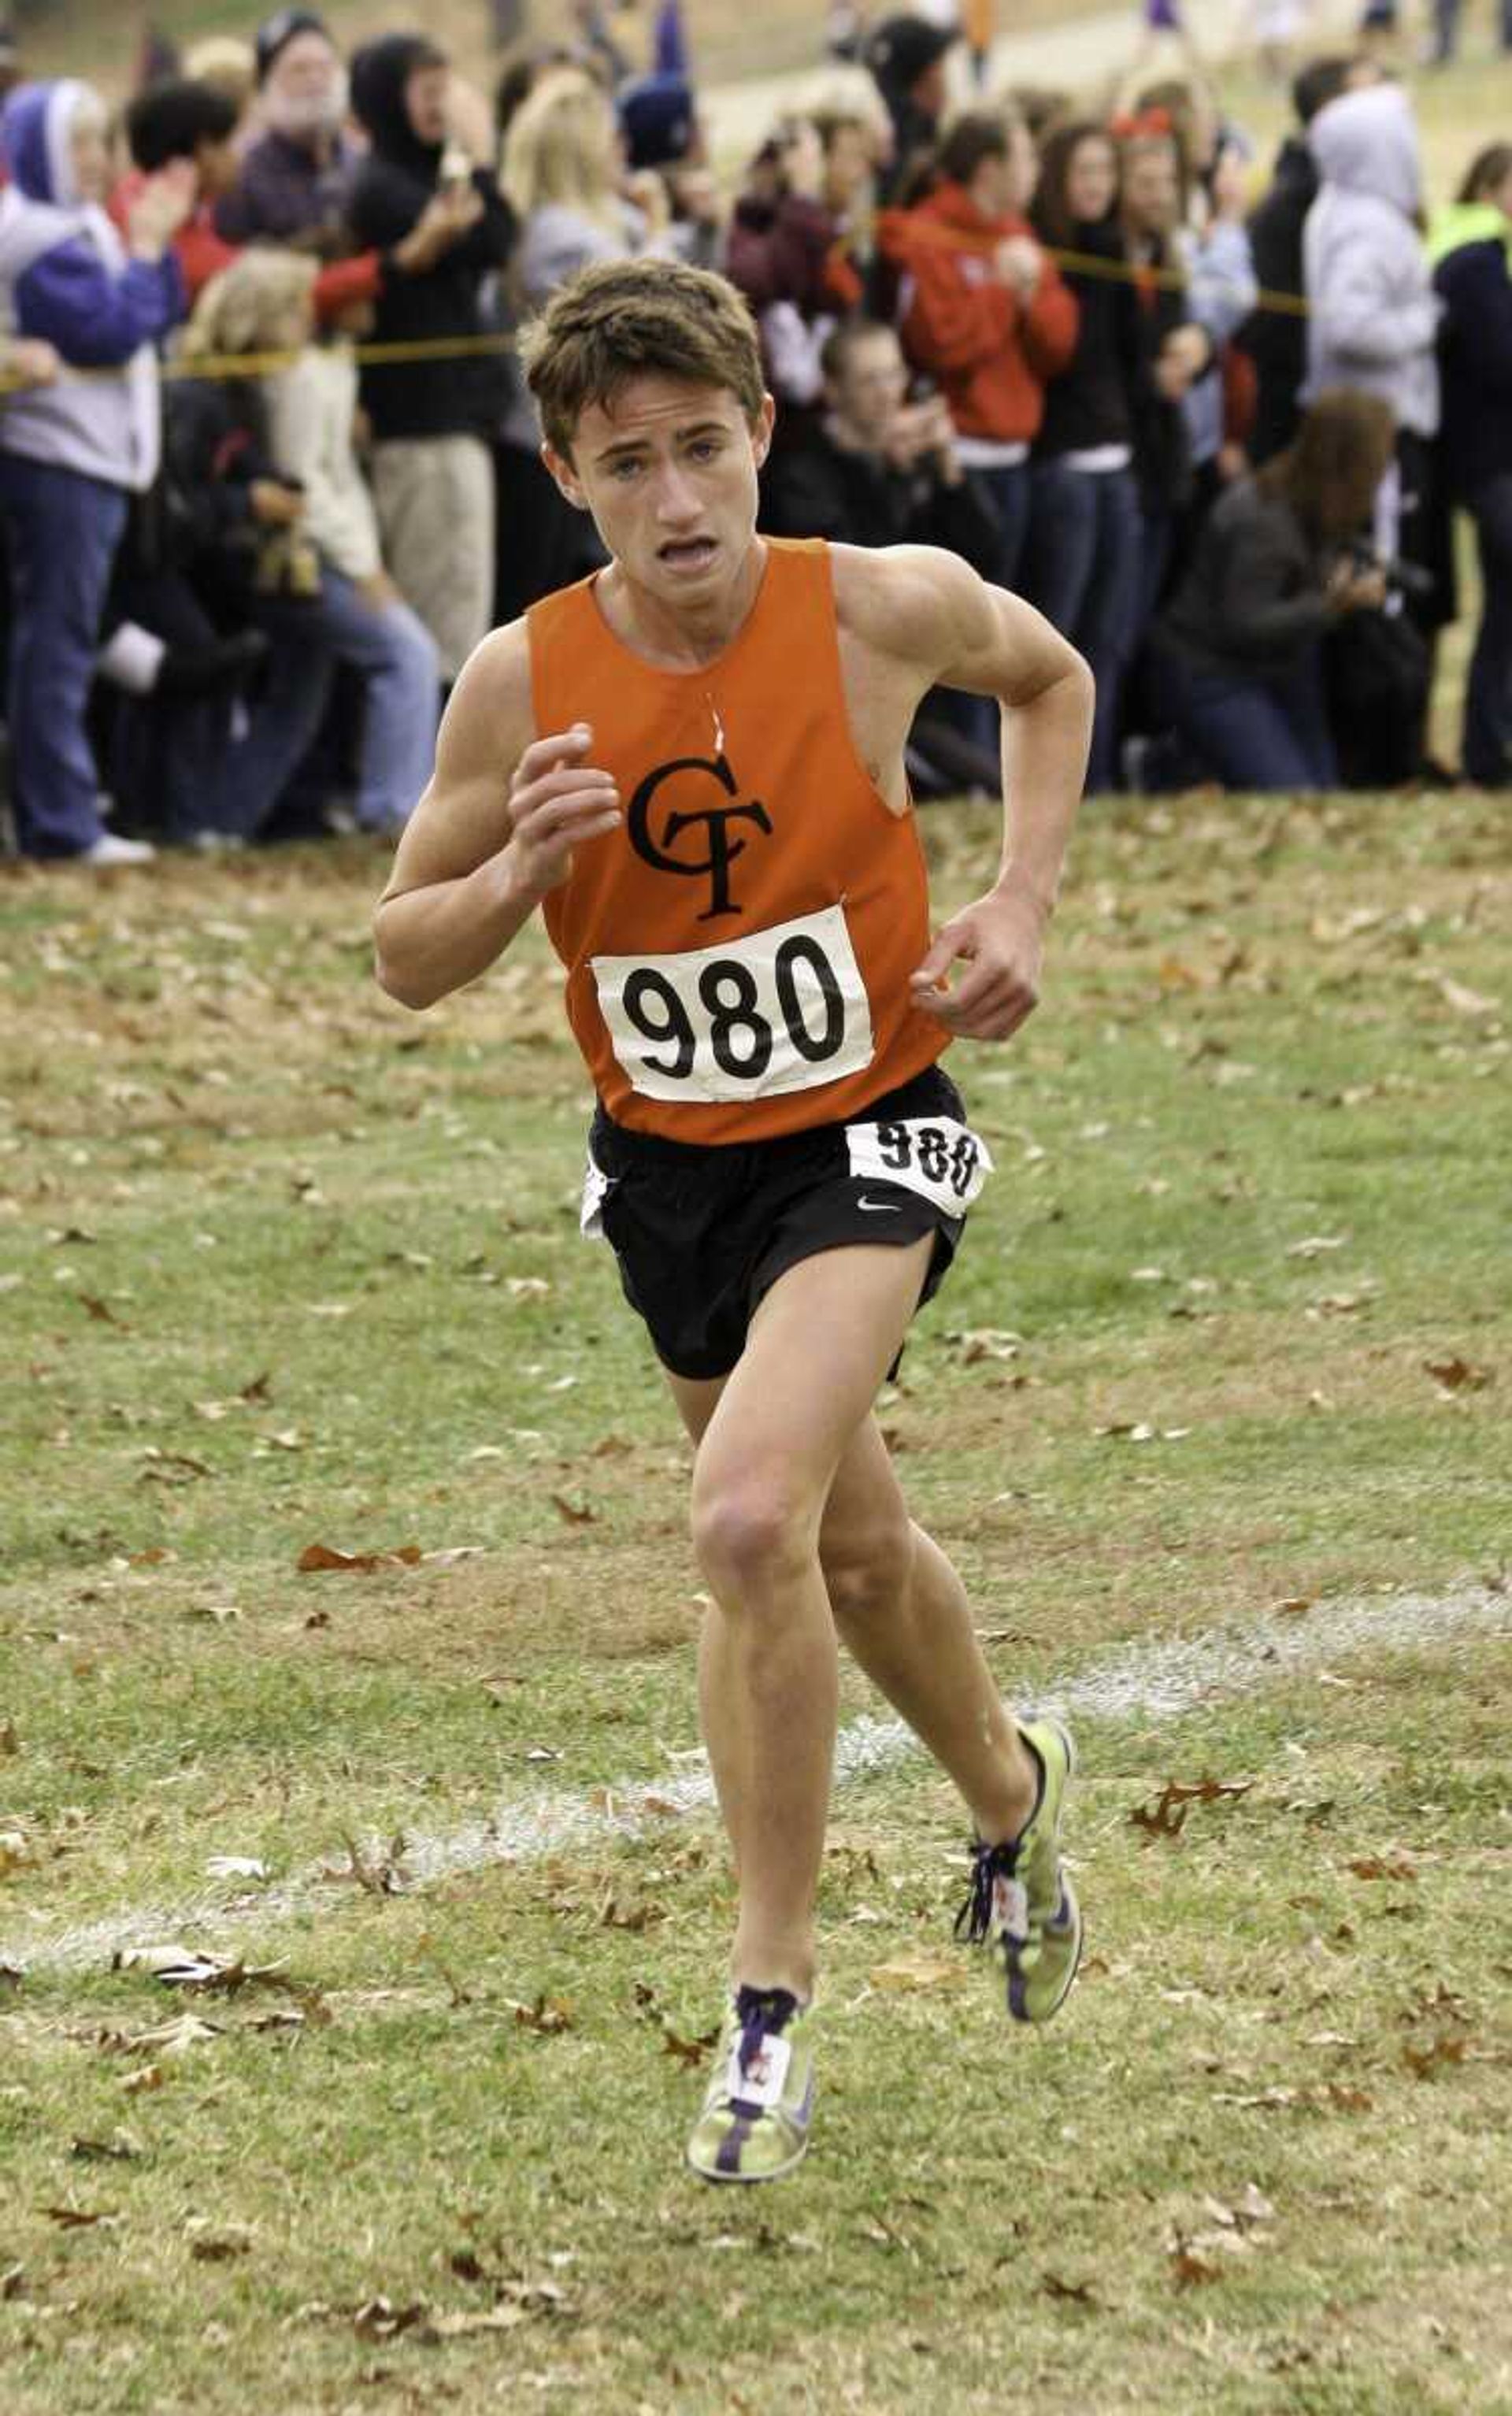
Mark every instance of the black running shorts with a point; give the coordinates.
(703, 1233)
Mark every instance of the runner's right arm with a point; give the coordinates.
(493, 834)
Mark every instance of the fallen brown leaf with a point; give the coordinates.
(569, 1512)
(316, 1557)
(547, 2016)
(1424, 2061)
(691, 2052)
(1079, 2293)
(1381, 1867)
(1167, 1816)
(1456, 1375)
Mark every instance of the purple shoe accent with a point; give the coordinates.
(1016, 1995)
(728, 2159)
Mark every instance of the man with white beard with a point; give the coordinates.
(294, 176)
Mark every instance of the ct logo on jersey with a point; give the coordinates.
(720, 849)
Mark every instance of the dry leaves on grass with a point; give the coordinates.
(380, 2319)
(378, 1870)
(1167, 1816)
(1390, 1865)
(548, 2016)
(317, 1557)
(1456, 1375)
(1226, 2232)
(181, 1967)
(1423, 2062)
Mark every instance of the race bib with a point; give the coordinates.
(946, 1162)
(783, 1010)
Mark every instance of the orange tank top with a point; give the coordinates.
(737, 952)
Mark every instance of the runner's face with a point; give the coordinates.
(668, 472)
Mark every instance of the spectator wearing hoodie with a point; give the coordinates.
(432, 466)
(72, 454)
(984, 313)
(1373, 316)
(294, 176)
(1470, 245)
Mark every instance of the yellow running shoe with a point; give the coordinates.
(1021, 1904)
(754, 2126)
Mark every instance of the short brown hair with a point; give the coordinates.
(623, 319)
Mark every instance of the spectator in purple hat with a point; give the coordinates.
(72, 454)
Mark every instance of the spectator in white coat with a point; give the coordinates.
(1373, 316)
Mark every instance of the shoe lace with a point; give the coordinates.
(988, 1903)
(759, 2012)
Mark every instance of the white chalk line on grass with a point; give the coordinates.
(1162, 1679)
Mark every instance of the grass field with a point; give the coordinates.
(1226, 1357)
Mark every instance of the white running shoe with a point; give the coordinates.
(111, 849)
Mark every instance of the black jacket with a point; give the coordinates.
(1475, 366)
(1091, 402)
(460, 396)
(1275, 340)
(1251, 603)
(820, 489)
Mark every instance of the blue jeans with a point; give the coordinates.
(1247, 731)
(62, 531)
(396, 657)
(1081, 568)
(1487, 744)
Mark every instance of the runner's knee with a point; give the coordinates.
(751, 1528)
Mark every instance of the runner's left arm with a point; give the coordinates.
(928, 608)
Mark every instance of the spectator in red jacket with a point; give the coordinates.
(984, 311)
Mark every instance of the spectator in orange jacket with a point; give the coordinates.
(984, 311)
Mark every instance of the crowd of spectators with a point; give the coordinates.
(268, 471)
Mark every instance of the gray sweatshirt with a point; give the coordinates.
(1373, 316)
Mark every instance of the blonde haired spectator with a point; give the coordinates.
(562, 174)
(229, 66)
(263, 303)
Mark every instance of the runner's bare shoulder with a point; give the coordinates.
(916, 603)
(463, 814)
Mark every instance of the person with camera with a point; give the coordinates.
(881, 468)
(784, 251)
(1237, 656)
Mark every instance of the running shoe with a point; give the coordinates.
(1021, 1904)
(754, 2126)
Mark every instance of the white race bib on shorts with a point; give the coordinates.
(943, 1160)
(783, 1010)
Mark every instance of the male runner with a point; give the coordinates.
(692, 764)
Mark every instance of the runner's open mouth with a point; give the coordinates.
(683, 550)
